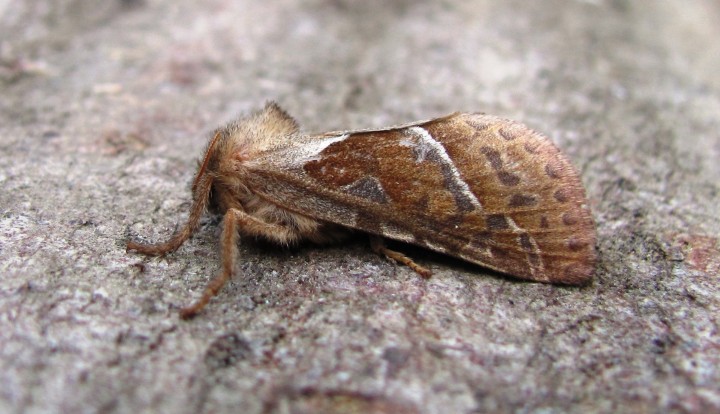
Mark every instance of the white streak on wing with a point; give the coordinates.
(420, 148)
(486, 251)
(536, 249)
(515, 228)
(311, 151)
(396, 233)
(435, 246)
(427, 140)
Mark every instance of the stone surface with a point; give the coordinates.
(107, 105)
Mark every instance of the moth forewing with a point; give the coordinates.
(473, 186)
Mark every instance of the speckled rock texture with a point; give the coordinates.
(106, 107)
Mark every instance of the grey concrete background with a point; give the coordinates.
(106, 106)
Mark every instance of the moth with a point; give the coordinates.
(477, 187)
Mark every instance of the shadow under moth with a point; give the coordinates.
(481, 188)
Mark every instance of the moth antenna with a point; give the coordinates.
(198, 208)
(206, 160)
(201, 194)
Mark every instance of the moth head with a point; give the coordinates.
(239, 141)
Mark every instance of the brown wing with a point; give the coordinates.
(478, 187)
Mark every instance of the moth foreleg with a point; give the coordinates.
(378, 246)
(236, 221)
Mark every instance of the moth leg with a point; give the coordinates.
(377, 244)
(234, 221)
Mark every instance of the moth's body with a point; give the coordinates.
(473, 186)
